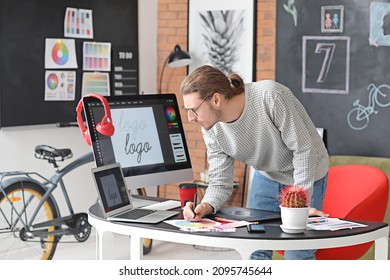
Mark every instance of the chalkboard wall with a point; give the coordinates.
(24, 26)
(334, 56)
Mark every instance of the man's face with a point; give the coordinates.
(201, 111)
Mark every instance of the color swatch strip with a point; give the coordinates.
(97, 56)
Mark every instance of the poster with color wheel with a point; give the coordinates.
(60, 85)
(60, 53)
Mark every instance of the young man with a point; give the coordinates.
(263, 125)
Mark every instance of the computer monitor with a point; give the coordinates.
(149, 141)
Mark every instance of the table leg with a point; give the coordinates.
(104, 252)
(381, 248)
(245, 253)
(136, 247)
(98, 245)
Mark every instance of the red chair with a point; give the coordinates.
(354, 192)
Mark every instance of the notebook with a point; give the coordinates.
(116, 202)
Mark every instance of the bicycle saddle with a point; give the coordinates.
(48, 152)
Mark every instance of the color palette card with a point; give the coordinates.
(96, 56)
(78, 23)
(60, 53)
(195, 226)
(60, 85)
(97, 83)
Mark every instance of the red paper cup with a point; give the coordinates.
(187, 192)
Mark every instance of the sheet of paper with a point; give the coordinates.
(78, 23)
(60, 85)
(165, 205)
(324, 223)
(96, 56)
(233, 225)
(208, 229)
(60, 53)
(96, 83)
(193, 226)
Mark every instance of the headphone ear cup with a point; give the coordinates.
(105, 127)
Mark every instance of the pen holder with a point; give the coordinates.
(187, 192)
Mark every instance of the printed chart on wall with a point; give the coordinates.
(60, 53)
(96, 83)
(60, 85)
(78, 23)
(97, 56)
(334, 56)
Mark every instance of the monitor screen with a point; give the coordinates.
(149, 141)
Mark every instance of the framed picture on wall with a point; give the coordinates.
(222, 33)
(332, 18)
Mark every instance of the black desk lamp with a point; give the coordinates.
(177, 58)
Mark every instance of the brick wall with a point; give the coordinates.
(172, 30)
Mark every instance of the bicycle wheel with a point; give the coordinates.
(358, 119)
(14, 242)
(383, 95)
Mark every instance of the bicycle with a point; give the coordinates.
(31, 224)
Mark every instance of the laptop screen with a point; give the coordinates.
(112, 188)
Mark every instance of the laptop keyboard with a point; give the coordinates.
(135, 214)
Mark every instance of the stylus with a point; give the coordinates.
(195, 203)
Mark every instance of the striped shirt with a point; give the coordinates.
(274, 134)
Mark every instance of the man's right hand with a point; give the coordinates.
(196, 214)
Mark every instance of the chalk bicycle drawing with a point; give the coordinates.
(359, 117)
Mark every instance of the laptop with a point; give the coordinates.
(116, 202)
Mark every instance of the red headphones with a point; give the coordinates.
(105, 127)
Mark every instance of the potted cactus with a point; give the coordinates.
(294, 207)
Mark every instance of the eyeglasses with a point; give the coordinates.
(193, 110)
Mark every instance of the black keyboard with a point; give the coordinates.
(135, 214)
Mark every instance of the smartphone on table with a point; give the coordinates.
(255, 228)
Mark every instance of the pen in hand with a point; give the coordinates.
(195, 203)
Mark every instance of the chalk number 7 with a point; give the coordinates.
(328, 48)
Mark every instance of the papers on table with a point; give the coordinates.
(324, 223)
(165, 205)
(206, 225)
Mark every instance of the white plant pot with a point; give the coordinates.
(294, 219)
